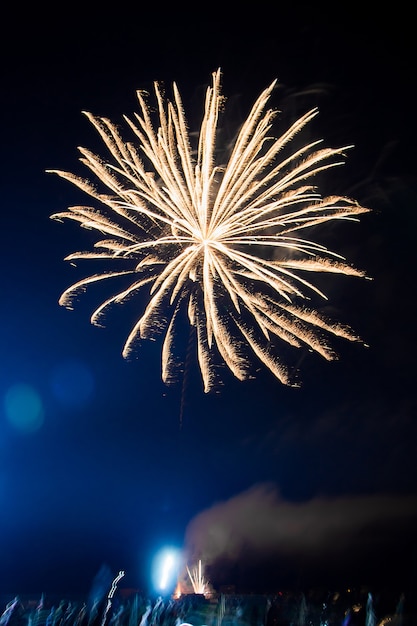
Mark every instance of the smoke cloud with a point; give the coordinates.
(258, 524)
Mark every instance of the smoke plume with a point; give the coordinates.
(259, 526)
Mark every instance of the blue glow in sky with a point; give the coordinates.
(23, 408)
(72, 383)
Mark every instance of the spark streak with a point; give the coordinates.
(197, 579)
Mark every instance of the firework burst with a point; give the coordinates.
(223, 243)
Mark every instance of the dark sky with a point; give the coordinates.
(269, 485)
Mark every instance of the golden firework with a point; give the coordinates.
(221, 242)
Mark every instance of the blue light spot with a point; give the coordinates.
(24, 408)
(72, 383)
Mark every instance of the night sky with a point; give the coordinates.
(100, 462)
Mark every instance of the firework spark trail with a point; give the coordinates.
(217, 241)
(197, 579)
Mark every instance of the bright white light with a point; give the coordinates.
(165, 570)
